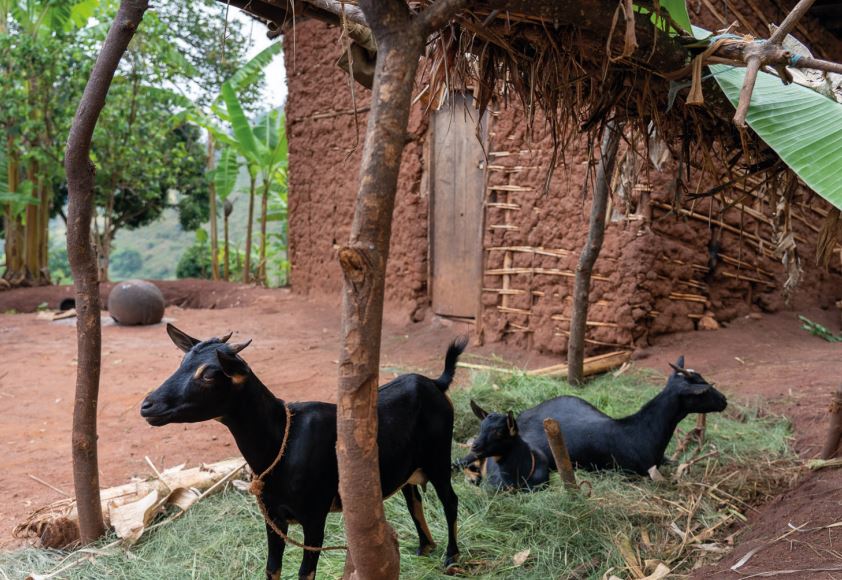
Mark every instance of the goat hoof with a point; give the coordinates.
(425, 550)
(453, 570)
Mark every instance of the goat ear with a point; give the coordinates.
(478, 411)
(511, 423)
(680, 362)
(698, 389)
(233, 366)
(181, 339)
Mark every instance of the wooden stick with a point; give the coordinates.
(834, 432)
(593, 323)
(559, 450)
(790, 21)
(592, 365)
(478, 367)
(51, 486)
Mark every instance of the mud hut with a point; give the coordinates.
(689, 245)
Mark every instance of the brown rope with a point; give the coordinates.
(256, 489)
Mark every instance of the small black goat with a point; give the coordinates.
(414, 437)
(516, 452)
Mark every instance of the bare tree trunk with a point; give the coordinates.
(834, 432)
(214, 237)
(12, 224)
(80, 185)
(247, 262)
(372, 543)
(226, 213)
(596, 232)
(264, 207)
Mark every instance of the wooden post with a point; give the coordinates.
(587, 259)
(834, 433)
(83, 263)
(372, 544)
(559, 450)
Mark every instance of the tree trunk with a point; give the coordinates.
(80, 185)
(226, 267)
(214, 238)
(247, 263)
(834, 432)
(264, 206)
(596, 232)
(371, 541)
(12, 224)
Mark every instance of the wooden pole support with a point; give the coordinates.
(834, 433)
(559, 450)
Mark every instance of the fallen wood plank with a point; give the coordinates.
(129, 507)
(593, 365)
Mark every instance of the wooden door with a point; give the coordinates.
(457, 189)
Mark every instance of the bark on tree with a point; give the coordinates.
(596, 233)
(80, 251)
(264, 208)
(400, 40)
(247, 262)
(214, 237)
(227, 208)
(834, 432)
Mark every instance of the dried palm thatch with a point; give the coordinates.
(574, 66)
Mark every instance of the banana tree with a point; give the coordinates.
(237, 148)
(31, 32)
(224, 178)
(264, 149)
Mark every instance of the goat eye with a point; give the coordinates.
(208, 375)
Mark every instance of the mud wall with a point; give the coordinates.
(325, 148)
(660, 270)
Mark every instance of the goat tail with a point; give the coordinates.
(456, 348)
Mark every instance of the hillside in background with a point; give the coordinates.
(159, 244)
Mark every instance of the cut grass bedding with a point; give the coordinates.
(615, 522)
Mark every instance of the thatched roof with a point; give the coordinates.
(574, 65)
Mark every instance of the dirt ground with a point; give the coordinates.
(295, 351)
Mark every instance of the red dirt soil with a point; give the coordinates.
(295, 352)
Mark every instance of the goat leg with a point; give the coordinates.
(314, 535)
(450, 503)
(276, 544)
(416, 512)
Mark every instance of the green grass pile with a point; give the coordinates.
(615, 522)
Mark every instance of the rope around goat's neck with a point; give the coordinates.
(256, 489)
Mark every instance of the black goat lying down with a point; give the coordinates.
(511, 453)
(414, 437)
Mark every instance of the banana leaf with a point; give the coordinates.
(802, 126)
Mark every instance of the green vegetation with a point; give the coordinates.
(819, 330)
(150, 146)
(223, 537)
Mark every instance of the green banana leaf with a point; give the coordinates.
(249, 72)
(250, 146)
(226, 171)
(802, 126)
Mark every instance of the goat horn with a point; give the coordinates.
(677, 369)
(226, 337)
(235, 348)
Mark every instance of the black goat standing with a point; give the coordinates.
(516, 453)
(414, 438)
